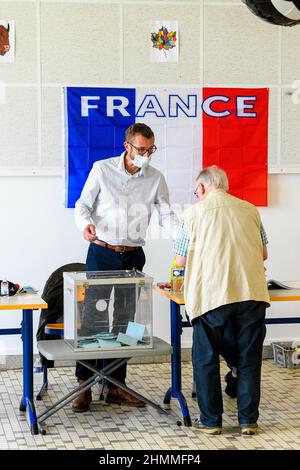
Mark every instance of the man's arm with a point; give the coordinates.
(182, 244)
(181, 261)
(167, 217)
(264, 240)
(84, 205)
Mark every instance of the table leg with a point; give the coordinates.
(27, 403)
(175, 390)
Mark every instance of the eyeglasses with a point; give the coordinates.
(142, 150)
(196, 193)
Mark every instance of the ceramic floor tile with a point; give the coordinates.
(114, 427)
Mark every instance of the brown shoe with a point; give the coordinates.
(121, 397)
(113, 396)
(82, 402)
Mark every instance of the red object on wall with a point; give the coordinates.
(237, 142)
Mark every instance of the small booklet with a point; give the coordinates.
(273, 284)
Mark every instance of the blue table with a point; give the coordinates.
(177, 323)
(27, 303)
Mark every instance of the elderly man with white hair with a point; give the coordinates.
(222, 243)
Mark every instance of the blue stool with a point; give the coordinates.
(56, 329)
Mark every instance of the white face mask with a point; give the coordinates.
(141, 162)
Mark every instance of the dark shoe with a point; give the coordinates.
(83, 401)
(213, 431)
(231, 387)
(249, 429)
(112, 396)
(118, 396)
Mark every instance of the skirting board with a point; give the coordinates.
(15, 362)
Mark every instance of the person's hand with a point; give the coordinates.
(89, 233)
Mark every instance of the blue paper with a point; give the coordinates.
(108, 343)
(128, 340)
(106, 335)
(86, 344)
(135, 330)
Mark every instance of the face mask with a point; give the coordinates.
(141, 162)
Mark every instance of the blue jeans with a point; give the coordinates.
(228, 348)
(247, 319)
(104, 259)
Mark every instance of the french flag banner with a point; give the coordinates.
(193, 127)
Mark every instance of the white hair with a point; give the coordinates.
(213, 176)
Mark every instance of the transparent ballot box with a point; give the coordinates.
(107, 310)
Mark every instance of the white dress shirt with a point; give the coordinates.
(120, 205)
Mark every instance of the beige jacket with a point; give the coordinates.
(225, 258)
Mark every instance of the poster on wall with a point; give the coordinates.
(164, 41)
(7, 41)
(194, 127)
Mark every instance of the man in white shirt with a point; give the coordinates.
(114, 211)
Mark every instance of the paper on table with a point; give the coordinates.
(273, 284)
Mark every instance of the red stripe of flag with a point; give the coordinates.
(239, 145)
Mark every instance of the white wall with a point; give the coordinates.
(101, 42)
(38, 235)
(92, 42)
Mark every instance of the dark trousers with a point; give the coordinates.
(247, 319)
(105, 259)
(228, 348)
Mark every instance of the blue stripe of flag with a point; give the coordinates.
(93, 137)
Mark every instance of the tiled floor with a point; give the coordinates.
(114, 427)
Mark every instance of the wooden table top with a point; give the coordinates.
(276, 295)
(22, 301)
